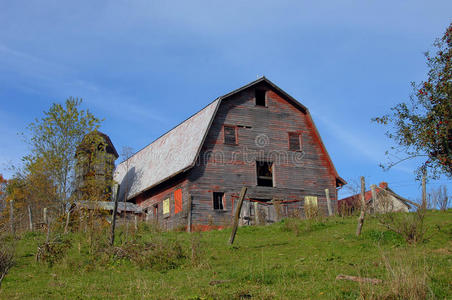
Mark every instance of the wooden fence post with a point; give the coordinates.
(328, 202)
(363, 207)
(237, 214)
(424, 192)
(374, 196)
(44, 215)
(48, 230)
(68, 218)
(256, 214)
(135, 222)
(11, 216)
(189, 204)
(113, 222)
(30, 218)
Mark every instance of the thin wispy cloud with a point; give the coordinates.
(370, 148)
(44, 76)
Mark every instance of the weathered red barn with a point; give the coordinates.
(256, 136)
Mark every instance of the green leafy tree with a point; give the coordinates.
(54, 139)
(422, 128)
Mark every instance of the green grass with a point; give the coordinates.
(290, 259)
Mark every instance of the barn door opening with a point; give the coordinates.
(262, 212)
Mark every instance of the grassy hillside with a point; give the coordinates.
(291, 259)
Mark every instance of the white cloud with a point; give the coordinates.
(46, 78)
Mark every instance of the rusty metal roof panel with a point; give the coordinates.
(109, 205)
(172, 153)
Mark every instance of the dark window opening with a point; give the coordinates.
(260, 97)
(218, 200)
(264, 173)
(262, 201)
(294, 141)
(230, 136)
(156, 211)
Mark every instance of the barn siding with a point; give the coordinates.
(157, 195)
(226, 168)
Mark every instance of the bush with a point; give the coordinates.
(409, 225)
(53, 251)
(160, 254)
(6, 261)
(405, 278)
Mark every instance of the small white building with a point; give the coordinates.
(386, 201)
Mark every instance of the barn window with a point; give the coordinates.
(264, 172)
(294, 141)
(166, 206)
(260, 97)
(230, 135)
(218, 200)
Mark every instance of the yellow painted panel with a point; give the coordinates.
(166, 206)
(310, 200)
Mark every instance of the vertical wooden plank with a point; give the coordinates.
(256, 214)
(44, 215)
(189, 213)
(68, 218)
(30, 218)
(114, 213)
(374, 196)
(11, 216)
(424, 190)
(363, 207)
(237, 214)
(328, 202)
(135, 222)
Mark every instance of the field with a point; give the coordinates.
(292, 259)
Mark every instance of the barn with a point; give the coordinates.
(256, 136)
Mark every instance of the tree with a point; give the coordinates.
(422, 127)
(54, 139)
(3, 183)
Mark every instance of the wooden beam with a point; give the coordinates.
(30, 218)
(189, 204)
(359, 279)
(373, 188)
(401, 198)
(11, 216)
(237, 214)
(328, 202)
(424, 192)
(363, 207)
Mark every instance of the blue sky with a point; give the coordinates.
(144, 66)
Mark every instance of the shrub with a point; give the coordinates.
(405, 278)
(409, 225)
(53, 251)
(197, 251)
(6, 261)
(160, 254)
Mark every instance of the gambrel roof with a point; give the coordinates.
(177, 150)
(174, 152)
